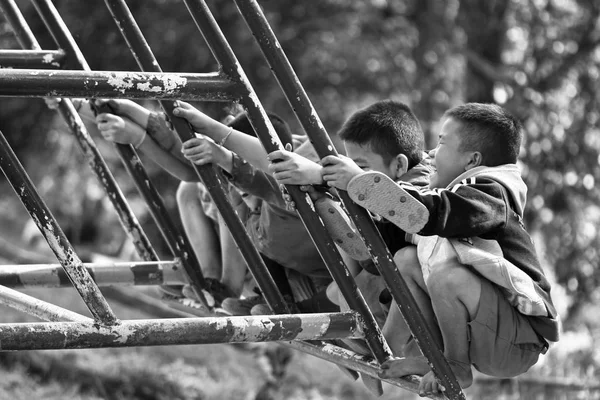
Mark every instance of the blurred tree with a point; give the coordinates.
(538, 58)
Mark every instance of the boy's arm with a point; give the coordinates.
(289, 168)
(255, 182)
(475, 208)
(247, 147)
(170, 163)
(122, 130)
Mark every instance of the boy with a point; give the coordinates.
(277, 232)
(386, 137)
(477, 278)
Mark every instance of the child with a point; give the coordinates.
(278, 233)
(222, 264)
(386, 137)
(477, 278)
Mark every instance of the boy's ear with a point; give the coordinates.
(475, 160)
(401, 165)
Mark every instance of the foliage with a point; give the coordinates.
(539, 58)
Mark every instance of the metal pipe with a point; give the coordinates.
(146, 60)
(380, 254)
(323, 241)
(38, 308)
(104, 274)
(58, 242)
(356, 362)
(161, 332)
(117, 84)
(32, 59)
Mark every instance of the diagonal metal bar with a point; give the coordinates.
(177, 242)
(38, 308)
(34, 59)
(41, 215)
(147, 62)
(380, 254)
(324, 243)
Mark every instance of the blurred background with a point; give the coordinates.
(538, 58)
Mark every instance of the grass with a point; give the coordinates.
(234, 372)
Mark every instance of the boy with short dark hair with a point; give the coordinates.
(386, 137)
(475, 274)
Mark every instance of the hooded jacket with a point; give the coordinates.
(480, 217)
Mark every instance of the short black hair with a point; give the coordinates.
(389, 127)
(490, 130)
(242, 123)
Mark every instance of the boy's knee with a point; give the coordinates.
(406, 261)
(186, 190)
(454, 280)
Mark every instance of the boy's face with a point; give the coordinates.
(448, 157)
(368, 160)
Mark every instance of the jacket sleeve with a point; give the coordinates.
(255, 182)
(478, 207)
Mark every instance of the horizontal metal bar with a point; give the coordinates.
(38, 308)
(33, 59)
(104, 274)
(78, 335)
(362, 364)
(117, 84)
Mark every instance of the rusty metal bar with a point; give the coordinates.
(146, 60)
(325, 244)
(380, 254)
(80, 335)
(178, 243)
(38, 308)
(32, 59)
(351, 360)
(55, 237)
(104, 274)
(117, 84)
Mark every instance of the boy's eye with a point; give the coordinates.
(364, 167)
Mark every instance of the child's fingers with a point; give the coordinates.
(277, 156)
(193, 142)
(330, 160)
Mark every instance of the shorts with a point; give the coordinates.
(502, 341)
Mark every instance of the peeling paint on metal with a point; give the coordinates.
(120, 82)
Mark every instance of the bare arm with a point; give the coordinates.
(247, 147)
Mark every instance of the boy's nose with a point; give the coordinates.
(432, 153)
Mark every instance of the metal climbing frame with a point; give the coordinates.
(65, 73)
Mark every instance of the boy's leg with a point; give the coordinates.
(455, 292)
(234, 265)
(395, 330)
(199, 229)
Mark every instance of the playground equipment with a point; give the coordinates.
(65, 73)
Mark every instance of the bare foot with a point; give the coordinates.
(430, 384)
(397, 367)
